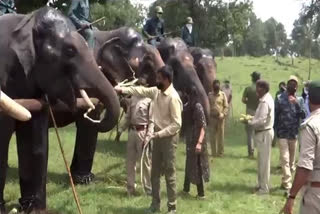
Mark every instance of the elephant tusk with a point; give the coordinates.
(84, 95)
(13, 109)
(90, 119)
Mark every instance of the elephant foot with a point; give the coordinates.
(2, 208)
(29, 205)
(83, 179)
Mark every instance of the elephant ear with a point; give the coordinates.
(22, 43)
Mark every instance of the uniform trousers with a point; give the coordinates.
(310, 203)
(164, 162)
(217, 136)
(287, 160)
(263, 141)
(134, 153)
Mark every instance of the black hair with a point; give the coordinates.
(263, 84)
(282, 83)
(166, 72)
(255, 76)
(216, 82)
(314, 95)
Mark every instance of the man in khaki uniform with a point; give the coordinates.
(251, 100)
(308, 167)
(140, 123)
(167, 108)
(218, 112)
(262, 123)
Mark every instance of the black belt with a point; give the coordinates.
(257, 131)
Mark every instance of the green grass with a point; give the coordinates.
(232, 177)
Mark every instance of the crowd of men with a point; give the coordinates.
(284, 119)
(154, 115)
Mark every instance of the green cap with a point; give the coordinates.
(314, 92)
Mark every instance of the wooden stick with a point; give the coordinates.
(65, 160)
(96, 21)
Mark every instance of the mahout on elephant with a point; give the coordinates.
(7, 6)
(44, 55)
(205, 66)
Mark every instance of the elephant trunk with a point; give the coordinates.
(109, 98)
(104, 91)
(13, 109)
(205, 102)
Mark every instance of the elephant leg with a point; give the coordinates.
(85, 147)
(32, 143)
(7, 126)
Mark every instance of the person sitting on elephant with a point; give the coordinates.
(154, 27)
(187, 32)
(79, 14)
(7, 6)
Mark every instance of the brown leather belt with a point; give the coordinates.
(315, 184)
(257, 131)
(138, 127)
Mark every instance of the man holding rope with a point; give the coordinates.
(167, 108)
(140, 123)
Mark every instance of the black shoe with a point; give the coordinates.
(83, 179)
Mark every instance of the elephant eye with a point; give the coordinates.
(70, 52)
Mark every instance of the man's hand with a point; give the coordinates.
(154, 135)
(221, 116)
(288, 207)
(198, 148)
(118, 89)
(293, 99)
(85, 25)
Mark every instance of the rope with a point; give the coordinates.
(64, 158)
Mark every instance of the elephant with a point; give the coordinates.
(175, 52)
(44, 57)
(205, 66)
(119, 53)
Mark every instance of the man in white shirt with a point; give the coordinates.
(263, 125)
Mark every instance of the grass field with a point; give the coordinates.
(232, 177)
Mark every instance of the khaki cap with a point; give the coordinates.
(189, 20)
(294, 78)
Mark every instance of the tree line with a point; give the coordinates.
(229, 28)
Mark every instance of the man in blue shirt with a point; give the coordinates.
(79, 14)
(289, 113)
(154, 27)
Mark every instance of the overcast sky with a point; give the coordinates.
(284, 11)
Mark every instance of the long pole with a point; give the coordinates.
(64, 159)
(309, 75)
